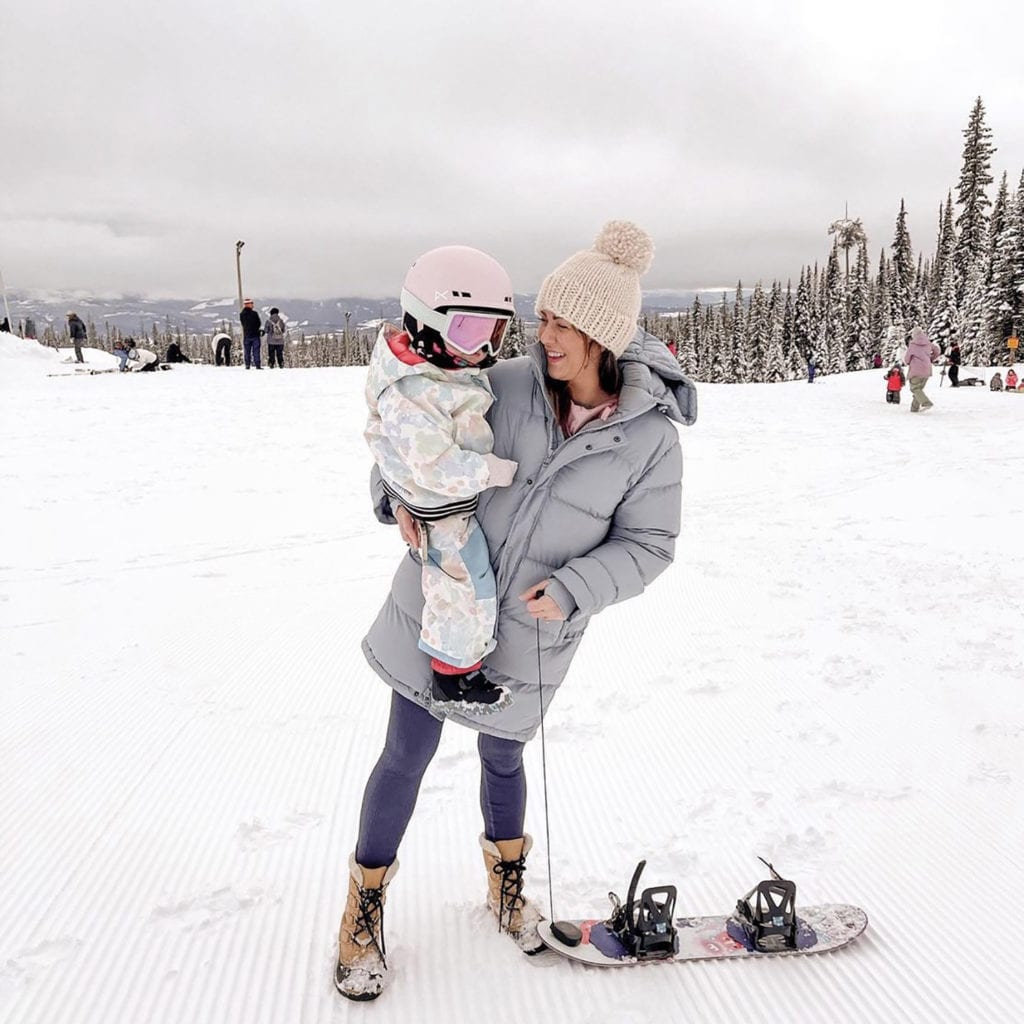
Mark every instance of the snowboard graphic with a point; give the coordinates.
(819, 929)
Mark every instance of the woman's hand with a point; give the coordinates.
(542, 607)
(408, 527)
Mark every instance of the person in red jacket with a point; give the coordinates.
(1011, 379)
(894, 381)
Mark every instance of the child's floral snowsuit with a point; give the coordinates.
(428, 435)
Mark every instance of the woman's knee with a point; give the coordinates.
(412, 739)
(500, 756)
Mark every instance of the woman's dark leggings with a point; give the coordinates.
(394, 783)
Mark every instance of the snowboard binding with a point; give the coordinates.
(767, 914)
(644, 926)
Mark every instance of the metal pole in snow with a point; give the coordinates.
(238, 269)
(7, 309)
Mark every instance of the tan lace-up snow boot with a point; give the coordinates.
(517, 916)
(362, 968)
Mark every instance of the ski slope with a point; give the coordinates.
(830, 676)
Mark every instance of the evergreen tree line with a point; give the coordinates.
(971, 290)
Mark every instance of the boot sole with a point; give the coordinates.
(469, 707)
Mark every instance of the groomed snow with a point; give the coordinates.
(829, 676)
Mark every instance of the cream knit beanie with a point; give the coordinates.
(598, 290)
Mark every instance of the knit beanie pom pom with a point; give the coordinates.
(625, 243)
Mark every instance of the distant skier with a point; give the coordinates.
(876, 361)
(250, 334)
(221, 349)
(921, 354)
(894, 382)
(954, 358)
(275, 329)
(78, 333)
(812, 368)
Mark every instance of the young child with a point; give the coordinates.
(894, 381)
(427, 396)
(996, 383)
(1011, 379)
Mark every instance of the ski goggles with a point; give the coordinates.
(466, 331)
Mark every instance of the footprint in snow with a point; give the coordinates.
(208, 909)
(30, 963)
(257, 834)
(990, 773)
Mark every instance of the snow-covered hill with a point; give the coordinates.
(829, 676)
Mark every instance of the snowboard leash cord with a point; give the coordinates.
(544, 771)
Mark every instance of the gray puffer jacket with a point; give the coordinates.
(597, 513)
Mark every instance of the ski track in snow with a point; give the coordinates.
(828, 676)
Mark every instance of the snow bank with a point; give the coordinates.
(23, 357)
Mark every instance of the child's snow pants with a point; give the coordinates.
(460, 598)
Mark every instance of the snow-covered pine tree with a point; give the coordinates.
(712, 340)
(758, 333)
(922, 303)
(1006, 278)
(972, 196)
(803, 317)
(975, 317)
(718, 341)
(945, 246)
(687, 352)
(699, 342)
(514, 343)
(834, 314)
(943, 328)
(881, 316)
(788, 324)
(858, 346)
(740, 365)
(901, 281)
(849, 233)
(775, 366)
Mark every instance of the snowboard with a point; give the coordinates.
(819, 930)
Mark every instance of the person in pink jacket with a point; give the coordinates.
(921, 353)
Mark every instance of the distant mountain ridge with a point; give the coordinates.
(136, 314)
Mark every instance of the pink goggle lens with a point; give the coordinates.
(470, 332)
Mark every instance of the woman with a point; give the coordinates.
(589, 519)
(921, 353)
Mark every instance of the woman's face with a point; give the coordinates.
(570, 353)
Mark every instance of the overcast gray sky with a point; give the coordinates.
(341, 139)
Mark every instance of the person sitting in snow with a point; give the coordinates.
(996, 383)
(1011, 379)
(123, 349)
(894, 381)
(175, 355)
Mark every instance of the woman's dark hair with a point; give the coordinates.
(609, 376)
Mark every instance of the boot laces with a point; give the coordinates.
(512, 899)
(370, 920)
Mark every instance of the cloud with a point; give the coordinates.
(341, 140)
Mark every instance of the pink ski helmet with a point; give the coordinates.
(463, 295)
